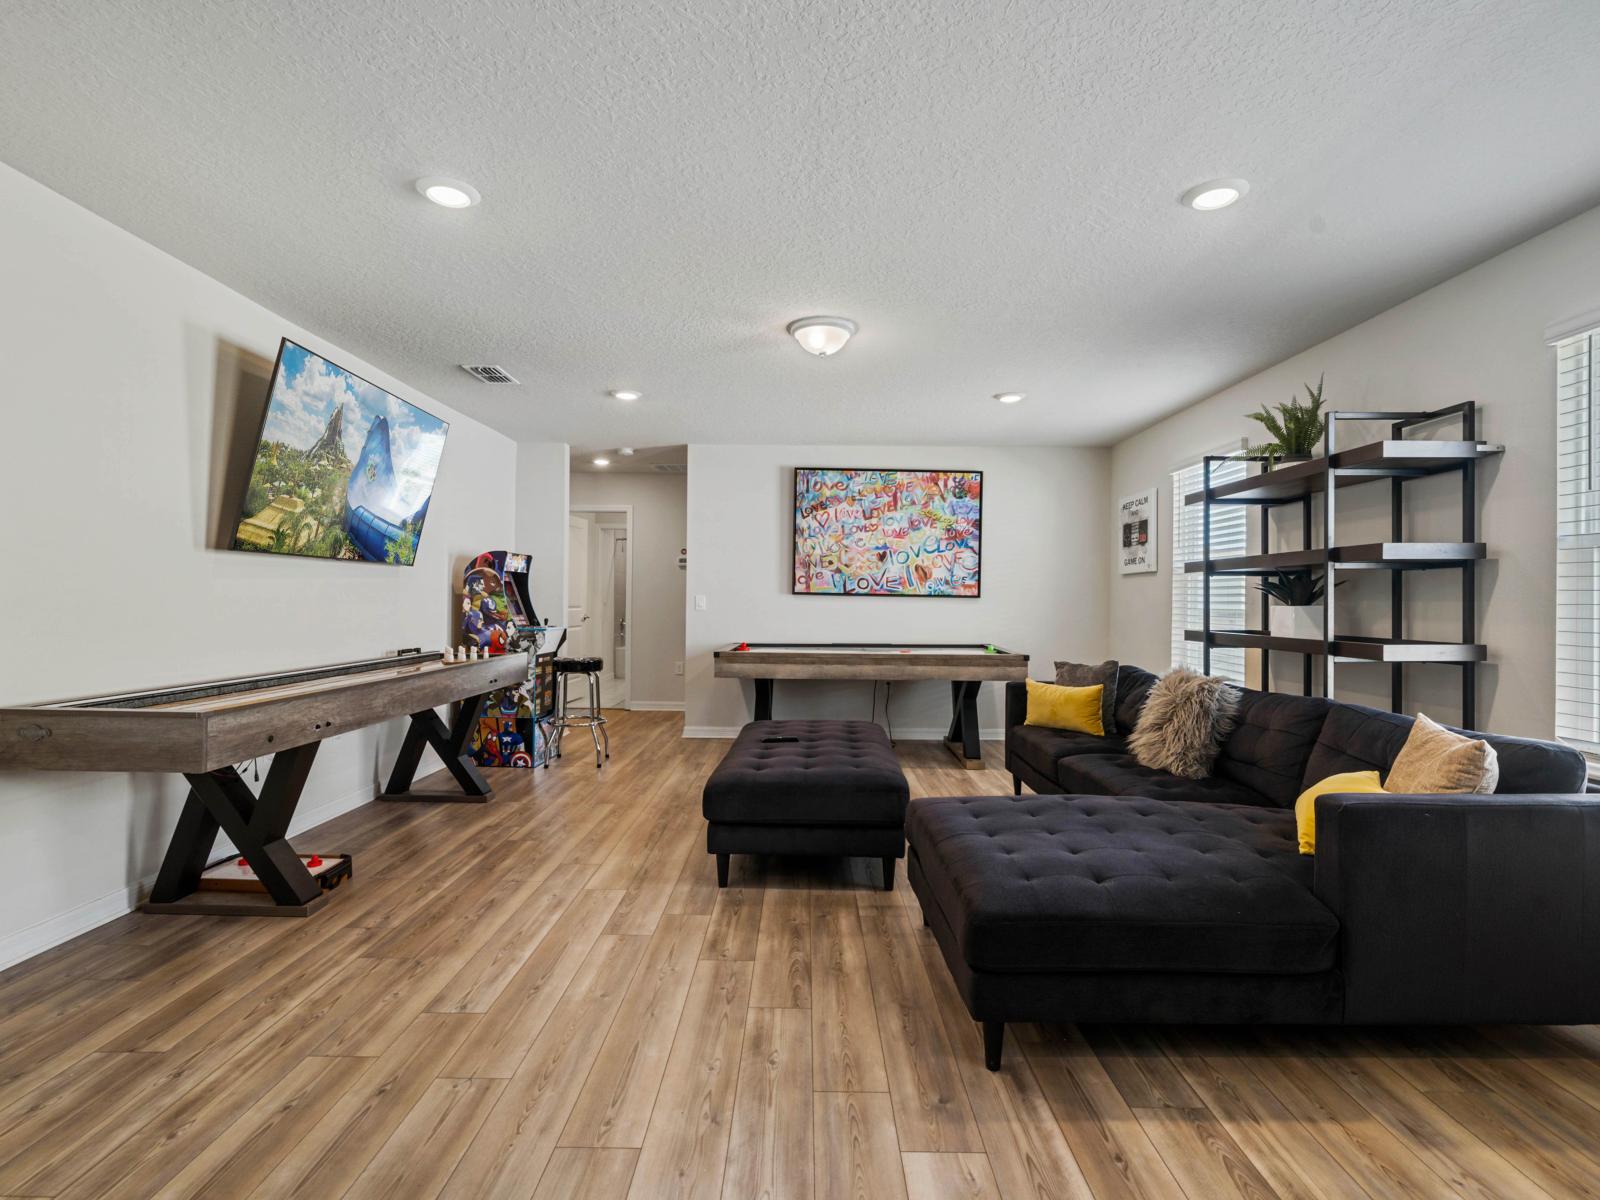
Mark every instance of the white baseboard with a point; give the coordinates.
(656, 705)
(900, 735)
(63, 927)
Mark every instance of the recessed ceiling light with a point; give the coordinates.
(822, 336)
(1214, 194)
(601, 462)
(1010, 397)
(448, 193)
(626, 452)
(624, 394)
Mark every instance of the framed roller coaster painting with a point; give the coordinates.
(343, 468)
(887, 532)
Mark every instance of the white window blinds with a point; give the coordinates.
(1229, 593)
(1577, 544)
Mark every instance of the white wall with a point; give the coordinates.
(109, 353)
(660, 530)
(541, 509)
(1046, 546)
(1478, 336)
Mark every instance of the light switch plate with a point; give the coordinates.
(699, 603)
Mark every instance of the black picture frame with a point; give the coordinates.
(794, 544)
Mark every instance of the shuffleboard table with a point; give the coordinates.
(202, 731)
(967, 666)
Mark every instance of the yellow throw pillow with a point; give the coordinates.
(1305, 808)
(1055, 706)
(1437, 761)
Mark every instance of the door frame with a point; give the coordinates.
(627, 614)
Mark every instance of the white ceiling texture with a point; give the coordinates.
(989, 189)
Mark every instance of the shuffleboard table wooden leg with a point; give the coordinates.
(763, 700)
(257, 826)
(450, 743)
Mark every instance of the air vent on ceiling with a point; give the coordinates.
(488, 374)
(670, 468)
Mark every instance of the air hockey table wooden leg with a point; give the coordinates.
(963, 739)
(763, 700)
(450, 743)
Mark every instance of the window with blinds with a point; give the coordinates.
(1229, 593)
(1577, 544)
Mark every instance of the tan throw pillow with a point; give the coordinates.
(1184, 722)
(1437, 761)
(1071, 674)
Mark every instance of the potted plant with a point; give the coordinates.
(1296, 428)
(1298, 611)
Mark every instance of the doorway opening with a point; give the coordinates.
(600, 594)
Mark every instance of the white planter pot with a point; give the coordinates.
(1295, 621)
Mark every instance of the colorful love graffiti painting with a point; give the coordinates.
(886, 533)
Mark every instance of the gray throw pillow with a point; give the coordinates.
(1184, 723)
(1071, 674)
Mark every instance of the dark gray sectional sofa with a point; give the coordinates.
(1125, 894)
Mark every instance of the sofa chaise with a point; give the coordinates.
(1126, 894)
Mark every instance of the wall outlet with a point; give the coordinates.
(699, 603)
(677, 668)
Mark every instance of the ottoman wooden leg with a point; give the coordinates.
(994, 1038)
(888, 873)
(722, 870)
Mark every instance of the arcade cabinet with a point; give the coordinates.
(497, 616)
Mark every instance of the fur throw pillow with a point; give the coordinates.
(1185, 720)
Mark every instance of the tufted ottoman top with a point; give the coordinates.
(832, 773)
(1116, 883)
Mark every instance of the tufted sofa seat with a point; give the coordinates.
(1089, 883)
(807, 787)
(1122, 893)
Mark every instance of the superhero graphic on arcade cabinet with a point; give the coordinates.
(496, 616)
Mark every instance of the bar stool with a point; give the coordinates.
(588, 717)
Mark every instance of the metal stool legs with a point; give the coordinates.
(589, 717)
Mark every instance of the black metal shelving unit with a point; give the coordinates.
(1397, 459)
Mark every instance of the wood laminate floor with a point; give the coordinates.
(547, 996)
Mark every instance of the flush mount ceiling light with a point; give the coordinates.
(1011, 397)
(624, 394)
(822, 336)
(1214, 194)
(601, 462)
(448, 193)
(626, 451)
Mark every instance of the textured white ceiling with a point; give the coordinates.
(989, 189)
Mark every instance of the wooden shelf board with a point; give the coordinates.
(1396, 556)
(1390, 457)
(1367, 649)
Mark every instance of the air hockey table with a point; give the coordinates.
(967, 667)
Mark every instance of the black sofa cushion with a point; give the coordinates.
(1042, 748)
(1133, 688)
(837, 773)
(1122, 775)
(1357, 738)
(1091, 883)
(1271, 743)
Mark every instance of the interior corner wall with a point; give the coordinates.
(116, 377)
(660, 530)
(543, 470)
(1477, 336)
(1046, 545)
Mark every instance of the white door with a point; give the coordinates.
(578, 631)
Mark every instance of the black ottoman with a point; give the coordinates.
(1125, 909)
(808, 787)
